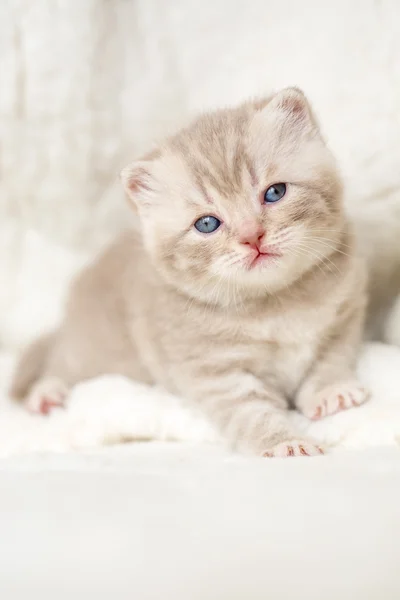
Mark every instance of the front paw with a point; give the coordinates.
(293, 448)
(334, 398)
(45, 395)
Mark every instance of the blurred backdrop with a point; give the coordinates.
(87, 86)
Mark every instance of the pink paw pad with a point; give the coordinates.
(293, 448)
(46, 404)
(336, 398)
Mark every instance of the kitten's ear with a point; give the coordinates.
(291, 107)
(138, 180)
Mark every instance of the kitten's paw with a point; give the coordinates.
(335, 398)
(45, 395)
(293, 448)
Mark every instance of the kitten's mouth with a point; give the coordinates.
(262, 257)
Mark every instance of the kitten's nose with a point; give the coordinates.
(251, 235)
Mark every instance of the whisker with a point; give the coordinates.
(300, 252)
(324, 242)
(313, 252)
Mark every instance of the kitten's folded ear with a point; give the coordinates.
(135, 180)
(290, 107)
(138, 180)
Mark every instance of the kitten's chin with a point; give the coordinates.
(257, 282)
(265, 277)
(235, 289)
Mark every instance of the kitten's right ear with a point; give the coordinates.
(136, 179)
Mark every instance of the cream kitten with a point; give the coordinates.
(243, 292)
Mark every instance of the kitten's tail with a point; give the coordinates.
(30, 366)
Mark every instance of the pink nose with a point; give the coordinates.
(251, 235)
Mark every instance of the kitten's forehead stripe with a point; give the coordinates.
(250, 168)
(200, 185)
(214, 151)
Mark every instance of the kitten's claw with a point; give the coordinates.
(293, 448)
(333, 399)
(45, 395)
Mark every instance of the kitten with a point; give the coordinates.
(243, 292)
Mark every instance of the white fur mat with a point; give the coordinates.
(111, 409)
(176, 522)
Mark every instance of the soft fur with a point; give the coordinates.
(193, 313)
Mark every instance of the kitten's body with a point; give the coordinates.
(244, 343)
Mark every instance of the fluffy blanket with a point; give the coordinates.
(111, 410)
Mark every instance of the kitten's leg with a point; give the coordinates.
(332, 385)
(30, 366)
(253, 417)
(42, 378)
(30, 383)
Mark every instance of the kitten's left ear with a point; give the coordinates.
(291, 107)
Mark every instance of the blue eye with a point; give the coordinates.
(207, 224)
(275, 192)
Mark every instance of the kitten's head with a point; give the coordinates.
(244, 200)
